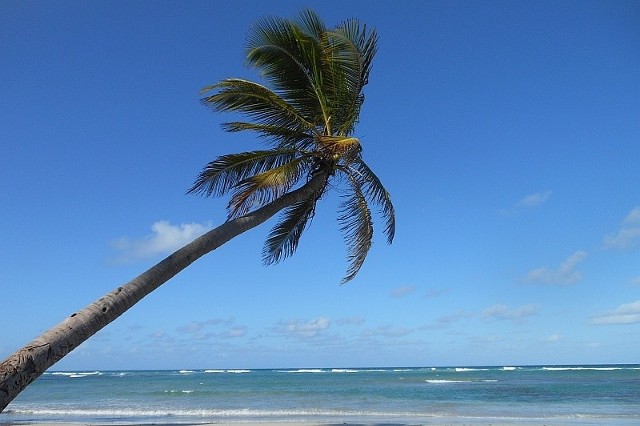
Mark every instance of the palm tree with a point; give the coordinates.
(307, 117)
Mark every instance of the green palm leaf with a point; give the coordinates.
(376, 192)
(284, 237)
(226, 171)
(350, 50)
(357, 227)
(258, 102)
(262, 188)
(311, 24)
(283, 137)
(289, 58)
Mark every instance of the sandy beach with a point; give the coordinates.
(435, 422)
(449, 422)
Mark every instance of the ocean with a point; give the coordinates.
(532, 395)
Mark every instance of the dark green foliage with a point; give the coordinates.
(306, 113)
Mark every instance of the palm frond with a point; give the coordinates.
(289, 58)
(350, 50)
(260, 189)
(282, 137)
(256, 101)
(376, 192)
(357, 227)
(312, 24)
(284, 237)
(365, 42)
(226, 171)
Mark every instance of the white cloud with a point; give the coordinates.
(528, 202)
(350, 321)
(485, 341)
(387, 331)
(633, 217)
(635, 281)
(553, 338)
(399, 292)
(502, 312)
(533, 200)
(193, 327)
(628, 236)
(436, 292)
(236, 331)
(164, 238)
(628, 313)
(563, 275)
(497, 312)
(160, 335)
(302, 329)
(448, 320)
(198, 326)
(197, 330)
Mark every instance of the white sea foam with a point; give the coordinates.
(185, 371)
(306, 370)
(443, 381)
(210, 413)
(238, 371)
(344, 370)
(509, 368)
(214, 371)
(466, 369)
(581, 368)
(76, 374)
(219, 415)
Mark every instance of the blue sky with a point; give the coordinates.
(506, 132)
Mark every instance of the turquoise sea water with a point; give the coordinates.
(550, 395)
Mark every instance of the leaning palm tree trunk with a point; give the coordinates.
(28, 363)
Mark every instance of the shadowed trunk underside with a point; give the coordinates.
(28, 363)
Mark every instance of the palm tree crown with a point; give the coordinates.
(307, 116)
